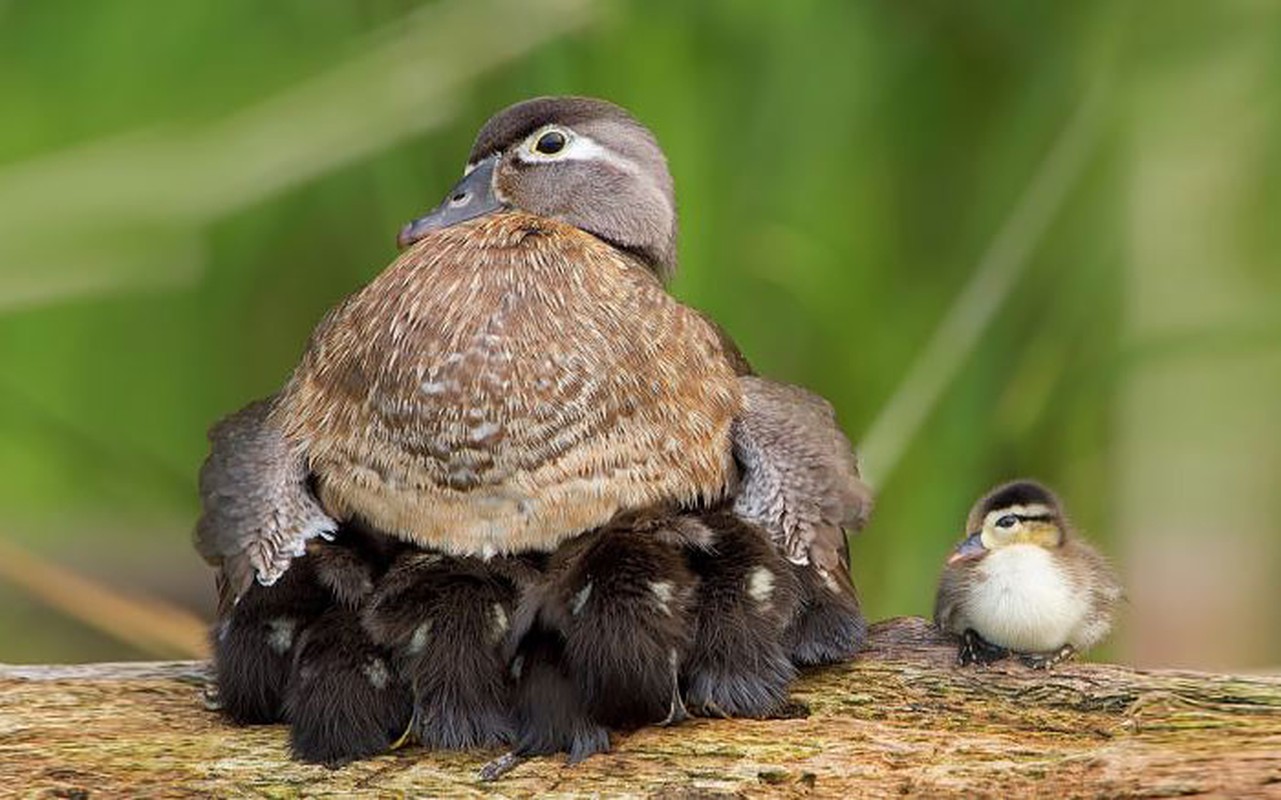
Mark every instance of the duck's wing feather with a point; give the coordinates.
(257, 511)
(800, 478)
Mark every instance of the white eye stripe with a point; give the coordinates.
(577, 148)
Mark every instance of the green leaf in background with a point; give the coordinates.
(930, 212)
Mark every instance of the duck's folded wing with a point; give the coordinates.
(257, 511)
(800, 478)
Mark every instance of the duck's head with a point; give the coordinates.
(1019, 512)
(582, 161)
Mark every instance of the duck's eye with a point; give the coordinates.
(1007, 521)
(550, 143)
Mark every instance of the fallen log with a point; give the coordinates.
(901, 720)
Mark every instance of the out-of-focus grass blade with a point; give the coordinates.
(402, 84)
(160, 259)
(890, 434)
(150, 625)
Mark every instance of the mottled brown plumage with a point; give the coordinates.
(801, 479)
(801, 485)
(510, 382)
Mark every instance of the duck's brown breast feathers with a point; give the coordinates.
(507, 383)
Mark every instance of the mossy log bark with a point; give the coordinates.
(902, 720)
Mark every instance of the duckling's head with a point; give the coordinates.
(583, 161)
(1019, 512)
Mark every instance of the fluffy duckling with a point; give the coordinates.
(255, 641)
(1024, 583)
(620, 601)
(295, 652)
(446, 619)
(748, 596)
(344, 699)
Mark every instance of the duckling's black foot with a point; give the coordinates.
(1047, 660)
(253, 647)
(344, 700)
(621, 600)
(550, 715)
(444, 619)
(975, 649)
(738, 666)
(829, 626)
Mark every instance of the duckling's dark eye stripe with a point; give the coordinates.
(1035, 518)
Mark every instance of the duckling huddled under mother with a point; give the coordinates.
(526, 494)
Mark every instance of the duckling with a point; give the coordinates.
(255, 640)
(344, 699)
(748, 595)
(1024, 583)
(294, 652)
(599, 642)
(446, 619)
(620, 600)
(516, 378)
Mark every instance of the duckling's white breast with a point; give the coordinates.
(1024, 601)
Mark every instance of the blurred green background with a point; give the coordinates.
(1004, 238)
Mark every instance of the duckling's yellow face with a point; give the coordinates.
(1033, 523)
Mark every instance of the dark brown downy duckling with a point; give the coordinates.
(603, 639)
(447, 620)
(740, 664)
(1024, 583)
(295, 652)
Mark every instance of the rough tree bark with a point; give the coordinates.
(902, 720)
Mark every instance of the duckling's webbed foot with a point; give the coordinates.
(1047, 660)
(621, 599)
(676, 710)
(445, 619)
(975, 649)
(344, 700)
(500, 766)
(738, 665)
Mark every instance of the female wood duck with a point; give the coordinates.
(517, 378)
(1024, 583)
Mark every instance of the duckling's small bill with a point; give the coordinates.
(971, 547)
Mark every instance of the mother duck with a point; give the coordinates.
(542, 496)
